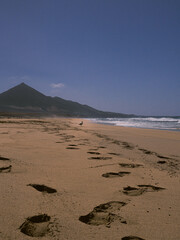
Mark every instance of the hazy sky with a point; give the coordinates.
(115, 55)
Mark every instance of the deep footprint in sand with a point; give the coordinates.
(100, 158)
(103, 214)
(132, 191)
(5, 169)
(151, 188)
(132, 238)
(42, 188)
(36, 226)
(92, 152)
(72, 148)
(161, 162)
(130, 165)
(4, 159)
(113, 174)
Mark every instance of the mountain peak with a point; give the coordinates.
(22, 85)
(22, 95)
(22, 88)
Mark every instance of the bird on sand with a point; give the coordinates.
(81, 123)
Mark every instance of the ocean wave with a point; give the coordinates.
(143, 122)
(153, 119)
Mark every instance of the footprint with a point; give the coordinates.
(97, 153)
(36, 226)
(150, 153)
(132, 191)
(5, 169)
(127, 145)
(116, 142)
(69, 136)
(130, 165)
(161, 162)
(72, 148)
(132, 238)
(113, 206)
(115, 154)
(146, 151)
(72, 145)
(100, 158)
(42, 188)
(160, 156)
(4, 159)
(103, 214)
(151, 188)
(113, 174)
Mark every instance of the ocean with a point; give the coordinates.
(163, 123)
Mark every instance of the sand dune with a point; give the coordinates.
(61, 180)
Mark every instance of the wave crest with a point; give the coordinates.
(167, 123)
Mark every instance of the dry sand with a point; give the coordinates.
(107, 182)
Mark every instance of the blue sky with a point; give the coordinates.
(114, 55)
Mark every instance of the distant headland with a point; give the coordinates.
(25, 100)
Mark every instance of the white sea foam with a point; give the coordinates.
(168, 123)
(153, 119)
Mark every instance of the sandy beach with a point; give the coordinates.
(60, 180)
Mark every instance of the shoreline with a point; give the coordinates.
(130, 174)
(178, 130)
(146, 122)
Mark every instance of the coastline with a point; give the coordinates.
(158, 123)
(78, 161)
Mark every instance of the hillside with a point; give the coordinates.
(24, 99)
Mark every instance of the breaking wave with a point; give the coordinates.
(166, 123)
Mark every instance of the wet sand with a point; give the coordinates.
(60, 180)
